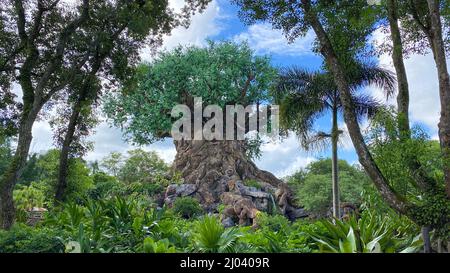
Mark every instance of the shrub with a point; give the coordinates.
(24, 239)
(187, 207)
(161, 246)
(276, 223)
(104, 185)
(313, 185)
(252, 183)
(27, 197)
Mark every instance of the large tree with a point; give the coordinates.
(221, 73)
(306, 96)
(48, 46)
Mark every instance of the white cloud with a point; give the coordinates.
(202, 26)
(283, 158)
(109, 139)
(265, 40)
(42, 137)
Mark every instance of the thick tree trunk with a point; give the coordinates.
(365, 158)
(402, 79)
(437, 43)
(216, 170)
(203, 162)
(334, 168)
(11, 175)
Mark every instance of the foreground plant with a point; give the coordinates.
(369, 234)
(211, 237)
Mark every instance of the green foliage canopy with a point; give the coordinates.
(220, 73)
(313, 188)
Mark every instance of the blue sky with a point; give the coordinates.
(220, 22)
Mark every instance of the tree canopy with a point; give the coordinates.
(220, 73)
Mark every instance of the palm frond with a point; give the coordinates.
(302, 96)
(371, 74)
(366, 106)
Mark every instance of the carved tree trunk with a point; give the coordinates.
(204, 162)
(215, 170)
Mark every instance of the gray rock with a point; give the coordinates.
(261, 203)
(174, 190)
(228, 222)
(296, 213)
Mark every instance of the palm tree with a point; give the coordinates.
(305, 96)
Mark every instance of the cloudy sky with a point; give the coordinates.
(220, 22)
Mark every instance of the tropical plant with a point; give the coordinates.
(370, 233)
(305, 96)
(26, 198)
(211, 237)
(187, 207)
(160, 246)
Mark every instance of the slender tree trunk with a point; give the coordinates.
(437, 43)
(402, 79)
(426, 239)
(84, 97)
(423, 180)
(365, 158)
(64, 155)
(439, 245)
(334, 168)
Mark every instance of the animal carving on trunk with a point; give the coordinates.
(240, 208)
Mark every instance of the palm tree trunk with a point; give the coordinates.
(334, 167)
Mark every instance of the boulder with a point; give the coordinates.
(178, 190)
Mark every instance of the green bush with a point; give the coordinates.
(313, 186)
(25, 239)
(276, 223)
(187, 207)
(27, 197)
(104, 186)
(252, 183)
